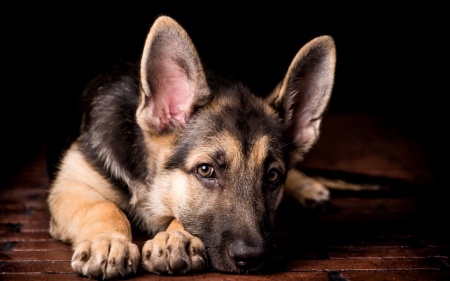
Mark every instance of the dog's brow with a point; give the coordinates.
(258, 153)
(222, 148)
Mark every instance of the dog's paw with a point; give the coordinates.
(313, 195)
(105, 257)
(308, 191)
(174, 252)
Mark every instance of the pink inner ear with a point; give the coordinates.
(173, 97)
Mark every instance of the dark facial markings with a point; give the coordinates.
(218, 145)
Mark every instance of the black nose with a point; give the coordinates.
(245, 255)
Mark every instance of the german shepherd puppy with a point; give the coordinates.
(196, 161)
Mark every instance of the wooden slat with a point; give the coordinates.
(37, 267)
(35, 256)
(28, 192)
(39, 246)
(41, 277)
(22, 206)
(28, 226)
(403, 275)
(28, 237)
(24, 218)
(364, 264)
(393, 252)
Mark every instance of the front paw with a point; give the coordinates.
(105, 257)
(174, 251)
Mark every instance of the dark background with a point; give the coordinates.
(392, 61)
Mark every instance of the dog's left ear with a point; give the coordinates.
(303, 95)
(173, 82)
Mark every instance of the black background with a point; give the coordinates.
(391, 60)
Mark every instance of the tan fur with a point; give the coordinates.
(80, 192)
(78, 196)
(162, 202)
(259, 152)
(175, 225)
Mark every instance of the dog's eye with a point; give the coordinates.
(205, 170)
(273, 175)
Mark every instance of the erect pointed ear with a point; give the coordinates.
(303, 95)
(173, 83)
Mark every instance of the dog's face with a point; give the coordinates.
(230, 150)
(233, 161)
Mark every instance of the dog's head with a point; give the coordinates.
(230, 150)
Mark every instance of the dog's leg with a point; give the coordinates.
(308, 191)
(174, 251)
(84, 214)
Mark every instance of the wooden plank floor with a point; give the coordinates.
(397, 233)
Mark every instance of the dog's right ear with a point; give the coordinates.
(173, 82)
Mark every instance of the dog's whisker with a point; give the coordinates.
(280, 147)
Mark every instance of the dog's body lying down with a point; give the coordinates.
(196, 161)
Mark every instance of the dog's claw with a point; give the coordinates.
(105, 257)
(174, 252)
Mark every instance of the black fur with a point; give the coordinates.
(109, 126)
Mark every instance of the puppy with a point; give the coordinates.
(196, 161)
